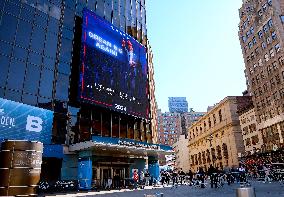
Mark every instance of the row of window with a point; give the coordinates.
(249, 129)
(199, 130)
(269, 37)
(254, 140)
(246, 119)
(208, 156)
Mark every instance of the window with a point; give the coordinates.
(256, 51)
(250, 45)
(263, 45)
(260, 13)
(260, 35)
(268, 40)
(265, 28)
(266, 57)
(4, 65)
(275, 65)
(273, 35)
(271, 52)
(8, 28)
(277, 78)
(277, 47)
(281, 92)
(251, 30)
(244, 38)
(281, 60)
(254, 40)
(264, 7)
(269, 2)
(32, 79)
(270, 23)
(46, 83)
(252, 56)
(260, 62)
(282, 18)
(16, 75)
(23, 34)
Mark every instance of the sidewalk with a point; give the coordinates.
(92, 193)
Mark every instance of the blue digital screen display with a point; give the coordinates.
(19, 121)
(113, 68)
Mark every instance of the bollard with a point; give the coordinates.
(245, 192)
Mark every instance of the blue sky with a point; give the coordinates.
(196, 49)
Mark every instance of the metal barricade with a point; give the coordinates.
(245, 192)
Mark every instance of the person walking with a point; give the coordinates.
(147, 178)
(181, 175)
(135, 179)
(267, 174)
(228, 174)
(212, 172)
(201, 177)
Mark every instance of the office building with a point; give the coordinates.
(178, 104)
(83, 66)
(261, 37)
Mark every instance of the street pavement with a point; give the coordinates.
(261, 189)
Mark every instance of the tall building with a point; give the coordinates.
(178, 104)
(169, 127)
(261, 35)
(77, 72)
(216, 138)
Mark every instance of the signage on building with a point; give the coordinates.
(130, 143)
(114, 68)
(19, 121)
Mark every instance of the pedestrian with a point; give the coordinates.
(174, 178)
(201, 177)
(135, 179)
(242, 171)
(267, 174)
(212, 172)
(181, 175)
(147, 178)
(228, 174)
(190, 177)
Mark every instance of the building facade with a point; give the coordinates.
(169, 127)
(216, 138)
(182, 156)
(178, 104)
(252, 138)
(193, 116)
(49, 51)
(261, 35)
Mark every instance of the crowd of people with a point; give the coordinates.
(214, 176)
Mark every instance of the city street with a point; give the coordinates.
(262, 190)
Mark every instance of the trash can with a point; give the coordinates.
(20, 167)
(245, 192)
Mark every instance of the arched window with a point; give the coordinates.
(219, 153)
(225, 151)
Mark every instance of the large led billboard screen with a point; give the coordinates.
(113, 68)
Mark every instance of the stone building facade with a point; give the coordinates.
(182, 156)
(252, 138)
(216, 138)
(261, 36)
